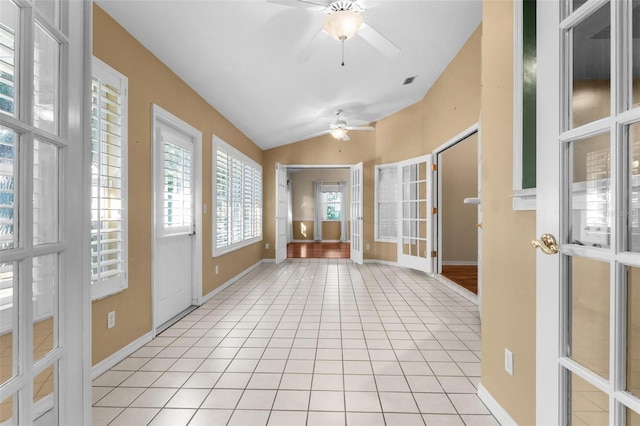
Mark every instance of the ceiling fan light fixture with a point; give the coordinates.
(338, 132)
(342, 24)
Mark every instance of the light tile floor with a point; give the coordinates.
(309, 342)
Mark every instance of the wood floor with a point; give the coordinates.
(318, 250)
(464, 275)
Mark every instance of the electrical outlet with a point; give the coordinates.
(368, 246)
(217, 270)
(266, 246)
(111, 319)
(508, 361)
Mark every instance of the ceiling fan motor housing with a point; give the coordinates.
(339, 5)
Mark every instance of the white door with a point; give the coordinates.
(44, 197)
(588, 185)
(282, 212)
(357, 237)
(415, 248)
(174, 219)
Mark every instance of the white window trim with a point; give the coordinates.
(523, 199)
(375, 203)
(325, 203)
(106, 73)
(178, 140)
(219, 143)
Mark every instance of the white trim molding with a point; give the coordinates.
(501, 415)
(113, 360)
(524, 199)
(233, 280)
(457, 288)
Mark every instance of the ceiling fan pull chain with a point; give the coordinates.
(343, 53)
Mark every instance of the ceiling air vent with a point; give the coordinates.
(409, 80)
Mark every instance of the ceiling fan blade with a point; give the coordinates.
(305, 4)
(377, 40)
(309, 49)
(315, 135)
(361, 128)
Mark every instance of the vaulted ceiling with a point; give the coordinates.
(270, 70)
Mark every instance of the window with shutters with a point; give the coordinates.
(237, 195)
(386, 203)
(108, 181)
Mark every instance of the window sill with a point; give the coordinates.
(524, 199)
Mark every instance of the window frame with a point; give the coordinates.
(326, 203)
(106, 288)
(254, 201)
(376, 202)
(523, 198)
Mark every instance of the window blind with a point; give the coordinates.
(386, 202)
(108, 181)
(238, 199)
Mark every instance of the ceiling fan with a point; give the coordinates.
(339, 129)
(343, 20)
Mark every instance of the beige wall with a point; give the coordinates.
(508, 279)
(302, 189)
(303, 208)
(451, 106)
(322, 150)
(303, 230)
(150, 81)
(459, 169)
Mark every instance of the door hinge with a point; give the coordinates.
(434, 254)
(434, 167)
(434, 210)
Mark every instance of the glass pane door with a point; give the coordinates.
(415, 245)
(599, 227)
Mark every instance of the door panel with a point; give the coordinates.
(585, 372)
(357, 237)
(173, 249)
(282, 212)
(416, 220)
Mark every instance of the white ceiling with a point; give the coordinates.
(245, 57)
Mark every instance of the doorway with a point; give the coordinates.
(322, 206)
(459, 213)
(176, 245)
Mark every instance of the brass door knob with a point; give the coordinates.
(547, 243)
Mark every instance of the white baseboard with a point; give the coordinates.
(118, 356)
(212, 293)
(501, 415)
(381, 262)
(460, 262)
(471, 297)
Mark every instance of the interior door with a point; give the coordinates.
(45, 299)
(282, 212)
(588, 285)
(173, 249)
(357, 237)
(415, 248)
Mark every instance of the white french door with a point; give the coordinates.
(357, 237)
(174, 256)
(282, 212)
(415, 248)
(44, 214)
(588, 185)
